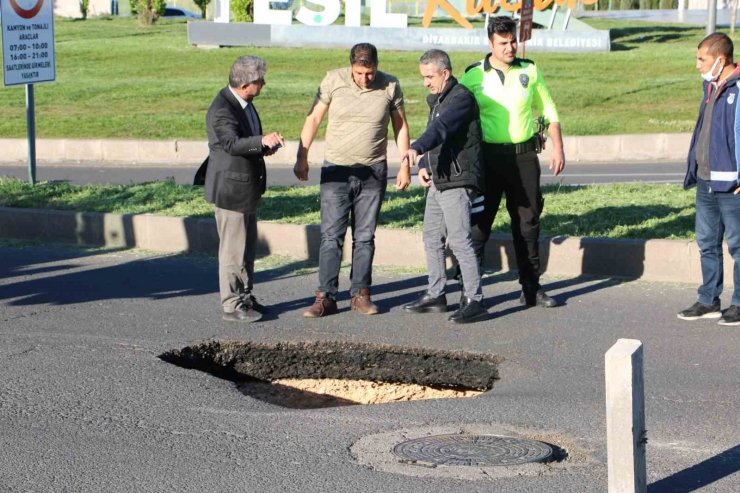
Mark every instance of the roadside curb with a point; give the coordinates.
(649, 260)
(589, 148)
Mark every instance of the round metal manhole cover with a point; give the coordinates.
(472, 450)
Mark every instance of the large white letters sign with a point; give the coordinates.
(379, 17)
(223, 11)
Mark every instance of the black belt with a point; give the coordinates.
(522, 148)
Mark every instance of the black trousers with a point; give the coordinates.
(517, 176)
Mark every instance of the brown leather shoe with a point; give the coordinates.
(321, 307)
(362, 303)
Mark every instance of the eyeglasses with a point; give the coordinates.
(259, 81)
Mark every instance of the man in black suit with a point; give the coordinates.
(235, 181)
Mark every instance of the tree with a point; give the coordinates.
(203, 6)
(629, 4)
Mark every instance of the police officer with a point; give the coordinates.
(506, 87)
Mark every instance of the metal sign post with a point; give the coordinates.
(28, 56)
(525, 23)
(711, 17)
(31, 131)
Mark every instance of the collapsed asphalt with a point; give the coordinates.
(87, 405)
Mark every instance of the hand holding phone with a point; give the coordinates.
(273, 141)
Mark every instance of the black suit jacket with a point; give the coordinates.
(235, 175)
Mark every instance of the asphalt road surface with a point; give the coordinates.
(574, 174)
(86, 405)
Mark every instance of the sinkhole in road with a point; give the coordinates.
(310, 375)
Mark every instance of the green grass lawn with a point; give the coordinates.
(116, 79)
(613, 211)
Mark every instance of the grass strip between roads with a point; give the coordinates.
(117, 79)
(634, 210)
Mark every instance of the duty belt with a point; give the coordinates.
(522, 148)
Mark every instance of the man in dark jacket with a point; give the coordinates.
(452, 170)
(235, 181)
(713, 168)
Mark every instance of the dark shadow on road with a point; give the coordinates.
(579, 286)
(16, 263)
(507, 312)
(289, 397)
(151, 277)
(703, 474)
(418, 284)
(589, 284)
(263, 390)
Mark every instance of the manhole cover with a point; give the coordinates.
(471, 450)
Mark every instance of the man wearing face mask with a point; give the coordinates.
(452, 170)
(506, 88)
(712, 167)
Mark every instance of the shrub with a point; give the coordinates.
(242, 10)
(84, 8)
(148, 11)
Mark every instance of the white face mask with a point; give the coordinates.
(708, 76)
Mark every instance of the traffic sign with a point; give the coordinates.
(525, 20)
(28, 41)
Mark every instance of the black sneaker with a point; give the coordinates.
(731, 316)
(470, 311)
(256, 305)
(428, 304)
(540, 298)
(243, 313)
(700, 310)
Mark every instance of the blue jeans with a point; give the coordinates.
(717, 215)
(357, 191)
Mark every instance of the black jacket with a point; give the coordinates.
(235, 174)
(453, 139)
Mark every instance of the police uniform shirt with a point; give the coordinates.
(506, 100)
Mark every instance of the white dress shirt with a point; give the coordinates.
(248, 111)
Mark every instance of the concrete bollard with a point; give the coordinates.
(625, 417)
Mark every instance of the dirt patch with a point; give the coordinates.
(348, 392)
(367, 392)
